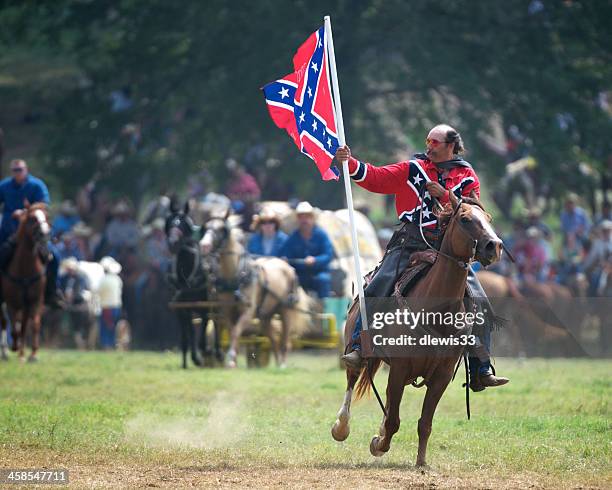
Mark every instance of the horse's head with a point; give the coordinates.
(33, 223)
(217, 232)
(179, 228)
(469, 230)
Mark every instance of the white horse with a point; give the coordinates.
(254, 288)
(93, 272)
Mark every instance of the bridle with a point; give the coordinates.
(463, 264)
(184, 242)
(219, 242)
(34, 227)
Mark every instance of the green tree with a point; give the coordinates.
(193, 71)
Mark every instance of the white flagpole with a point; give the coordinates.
(345, 170)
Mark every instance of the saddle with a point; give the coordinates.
(419, 265)
(476, 298)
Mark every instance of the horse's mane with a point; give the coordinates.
(444, 216)
(38, 205)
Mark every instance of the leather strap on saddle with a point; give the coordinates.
(420, 263)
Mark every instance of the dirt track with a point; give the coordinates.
(114, 476)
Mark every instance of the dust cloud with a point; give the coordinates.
(224, 426)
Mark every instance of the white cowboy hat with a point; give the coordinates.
(304, 208)
(606, 224)
(81, 230)
(158, 224)
(110, 265)
(533, 232)
(69, 264)
(68, 208)
(121, 208)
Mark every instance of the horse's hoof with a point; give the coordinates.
(22, 359)
(4, 357)
(422, 465)
(340, 431)
(32, 359)
(374, 447)
(231, 364)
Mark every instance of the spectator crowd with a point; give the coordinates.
(135, 257)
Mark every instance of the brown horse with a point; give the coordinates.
(468, 234)
(23, 283)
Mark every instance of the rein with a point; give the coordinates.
(461, 263)
(195, 251)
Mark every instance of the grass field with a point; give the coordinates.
(136, 419)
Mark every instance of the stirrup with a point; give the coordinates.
(353, 359)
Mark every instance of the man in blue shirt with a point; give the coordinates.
(574, 219)
(15, 191)
(310, 252)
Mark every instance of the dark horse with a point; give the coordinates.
(468, 234)
(190, 280)
(23, 282)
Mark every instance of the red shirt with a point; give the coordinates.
(407, 181)
(244, 189)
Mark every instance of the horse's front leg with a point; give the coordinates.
(391, 423)
(268, 330)
(184, 323)
(435, 390)
(236, 331)
(3, 336)
(341, 429)
(218, 328)
(193, 334)
(203, 343)
(286, 319)
(25, 318)
(35, 320)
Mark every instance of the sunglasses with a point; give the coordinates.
(18, 169)
(267, 222)
(434, 142)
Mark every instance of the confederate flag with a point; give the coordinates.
(301, 103)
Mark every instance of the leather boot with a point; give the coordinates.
(487, 379)
(353, 360)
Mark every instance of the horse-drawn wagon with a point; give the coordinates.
(314, 324)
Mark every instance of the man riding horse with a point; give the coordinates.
(15, 193)
(415, 184)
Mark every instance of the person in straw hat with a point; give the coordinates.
(268, 238)
(309, 251)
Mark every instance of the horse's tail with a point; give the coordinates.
(303, 311)
(367, 373)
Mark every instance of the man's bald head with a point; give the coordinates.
(443, 142)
